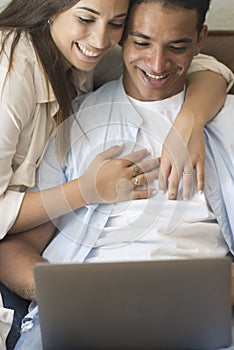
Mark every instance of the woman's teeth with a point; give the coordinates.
(87, 52)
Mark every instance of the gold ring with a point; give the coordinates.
(136, 170)
(187, 173)
(137, 181)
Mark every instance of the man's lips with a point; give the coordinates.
(156, 77)
(156, 80)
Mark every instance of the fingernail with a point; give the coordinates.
(200, 192)
(154, 193)
(185, 199)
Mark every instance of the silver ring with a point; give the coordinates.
(136, 170)
(137, 181)
(188, 173)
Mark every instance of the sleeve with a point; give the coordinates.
(205, 62)
(17, 104)
(50, 172)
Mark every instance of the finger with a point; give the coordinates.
(200, 177)
(159, 160)
(173, 184)
(138, 180)
(112, 152)
(149, 165)
(144, 167)
(143, 194)
(136, 157)
(188, 184)
(164, 173)
(151, 175)
(144, 179)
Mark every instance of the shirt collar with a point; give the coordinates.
(44, 91)
(78, 78)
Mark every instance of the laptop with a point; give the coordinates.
(182, 304)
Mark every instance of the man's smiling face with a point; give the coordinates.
(158, 48)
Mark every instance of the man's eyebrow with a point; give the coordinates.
(181, 41)
(176, 41)
(140, 35)
(121, 15)
(98, 13)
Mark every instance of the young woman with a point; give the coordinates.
(48, 52)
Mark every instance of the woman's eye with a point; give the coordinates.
(85, 20)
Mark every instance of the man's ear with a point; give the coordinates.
(201, 39)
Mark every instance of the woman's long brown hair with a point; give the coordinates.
(31, 17)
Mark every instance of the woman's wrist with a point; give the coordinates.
(190, 117)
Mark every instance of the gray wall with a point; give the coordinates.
(220, 16)
(3, 3)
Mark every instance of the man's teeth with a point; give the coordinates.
(155, 77)
(87, 52)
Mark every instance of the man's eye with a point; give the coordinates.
(85, 20)
(178, 48)
(140, 43)
(116, 25)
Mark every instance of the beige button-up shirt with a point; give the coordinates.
(25, 127)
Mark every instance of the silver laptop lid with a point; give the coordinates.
(183, 304)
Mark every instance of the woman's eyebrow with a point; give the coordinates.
(88, 9)
(98, 13)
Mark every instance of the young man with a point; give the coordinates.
(161, 38)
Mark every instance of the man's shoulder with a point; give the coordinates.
(105, 94)
(229, 100)
(228, 107)
(223, 122)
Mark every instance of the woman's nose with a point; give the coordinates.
(100, 38)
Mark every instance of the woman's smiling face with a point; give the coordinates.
(86, 31)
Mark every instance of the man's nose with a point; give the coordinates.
(159, 60)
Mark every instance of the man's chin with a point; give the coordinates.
(160, 95)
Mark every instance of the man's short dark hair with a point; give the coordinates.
(201, 7)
